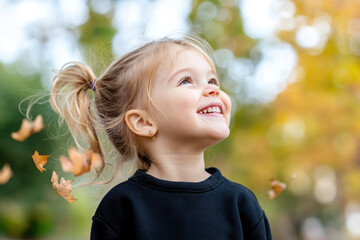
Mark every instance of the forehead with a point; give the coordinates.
(181, 57)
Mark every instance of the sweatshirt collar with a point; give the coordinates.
(214, 180)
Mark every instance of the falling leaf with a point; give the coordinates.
(277, 188)
(40, 160)
(38, 124)
(5, 174)
(80, 163)
(96, 160)
(63, 188)
(24, 131)
(28, 128)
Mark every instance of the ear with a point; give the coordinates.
(140, 123)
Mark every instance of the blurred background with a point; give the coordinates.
(291, 68)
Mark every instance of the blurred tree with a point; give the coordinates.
(29, 205)
(23, 196)
(311, 128)
(96, 39)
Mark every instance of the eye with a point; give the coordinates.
(185, 80)
(214, 81)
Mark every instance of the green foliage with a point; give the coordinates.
(96, 37)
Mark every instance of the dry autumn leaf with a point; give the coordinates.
(40, 160)
(80, 163)
(277, 188)
(5, 174)
(63, 188)
(28, 128)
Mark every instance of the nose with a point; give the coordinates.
(211, 90)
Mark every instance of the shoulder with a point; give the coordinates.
(249, 208)
(120, 190)
(116, 200)
(112, 216)
(242, 192)
(253, 218)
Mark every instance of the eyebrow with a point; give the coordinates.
(185, 70)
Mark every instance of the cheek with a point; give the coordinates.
(183, 100)
(227, 103)
(188, 103)
(175, 105)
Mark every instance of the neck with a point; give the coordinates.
(184, 167)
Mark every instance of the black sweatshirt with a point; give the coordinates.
(147, 208)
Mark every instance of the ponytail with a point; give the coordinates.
(69, 98)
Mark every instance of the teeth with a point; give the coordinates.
(211, 110)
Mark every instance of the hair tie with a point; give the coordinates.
(93, 85)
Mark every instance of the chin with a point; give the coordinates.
(205, 142)
(221, 135)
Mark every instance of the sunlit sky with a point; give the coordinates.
(36, 35)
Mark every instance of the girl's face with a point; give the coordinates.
(194, 108)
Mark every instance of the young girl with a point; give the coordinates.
(162, 107)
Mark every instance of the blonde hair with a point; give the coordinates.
(122, 87)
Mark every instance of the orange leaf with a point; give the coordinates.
(38, 124)
(28, 128)
(277, 188)
(80, 163)
(63, 188)
(96, 161)
(5, 174)
(40, 160)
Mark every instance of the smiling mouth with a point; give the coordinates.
(211, 110)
